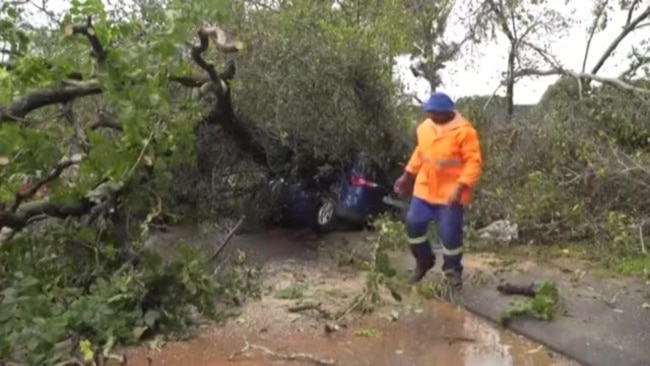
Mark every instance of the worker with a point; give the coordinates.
(443, 169)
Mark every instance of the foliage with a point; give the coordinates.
(565, 175)
(379, 273)
(64, 287)
(111, 124)
(543, 306)
(320, 83)
(79, 285)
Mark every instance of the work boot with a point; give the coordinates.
(419, 272)
(454, 279)
(424, 261)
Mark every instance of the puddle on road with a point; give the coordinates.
(438, 335)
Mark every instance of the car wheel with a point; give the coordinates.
(325, 219)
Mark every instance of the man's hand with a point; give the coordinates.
(404, 184)
(455, 197)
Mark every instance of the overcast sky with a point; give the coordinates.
(478, 72)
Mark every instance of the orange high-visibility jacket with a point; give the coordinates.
(445, 156)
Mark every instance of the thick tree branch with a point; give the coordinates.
(630, 13)
(29, 211)
(601, 79)
(54, 174)
(197, 56)
(629, 27)
(220, 40)
(18, 109)
(105, 120)
(502, 20)
(79, 138)
(88, 31)
(600, 11)
(189, 81)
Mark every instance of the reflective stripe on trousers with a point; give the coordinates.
(449, 222)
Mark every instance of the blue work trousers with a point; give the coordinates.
(449, 220)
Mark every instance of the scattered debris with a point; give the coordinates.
(282, 356)
(502, 231)
(227, 239)
(535, 350)
(610, 303)
(331, 328)
(394, 315)
(458, 339)
(367, 333)
(306, 306)
(510, 289)
(542, 305)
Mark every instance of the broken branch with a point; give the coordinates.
(107, 121)
(17, 110)
(629, 27)
(27, 211)
(510, 289)
(220, 40)
(197, 55)
(54, 174)
(601, 79)
(227, 239)
(282, 356)
(310, 306)
(88, 31)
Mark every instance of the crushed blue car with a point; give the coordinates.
(352, 196)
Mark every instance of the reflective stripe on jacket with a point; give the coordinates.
(445, 156)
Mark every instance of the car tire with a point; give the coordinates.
(325, 217)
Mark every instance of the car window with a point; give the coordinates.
(363, 165)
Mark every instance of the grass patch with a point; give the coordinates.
(611, 264)
(292, 292)
(432, 290)
(639, 266)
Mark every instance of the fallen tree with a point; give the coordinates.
(106, 114)
(112, 184)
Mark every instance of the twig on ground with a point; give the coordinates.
(352, 306)
(458, 339)
(510, 289)
(610, 303)
(310, 306)
(227, 239)
(283, 356)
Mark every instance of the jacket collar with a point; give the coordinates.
(457, 122)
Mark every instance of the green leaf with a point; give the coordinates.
(138, 332)
(86, 350)
(150, 318)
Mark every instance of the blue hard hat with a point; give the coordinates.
(439, 102)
